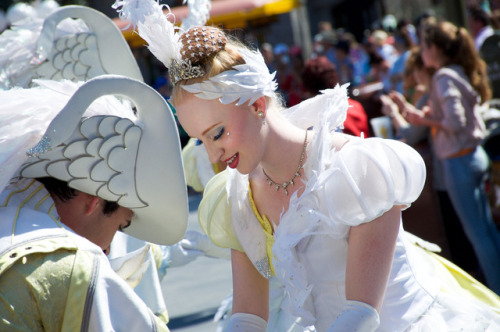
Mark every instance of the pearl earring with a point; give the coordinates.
(261, 115)
(227, 133)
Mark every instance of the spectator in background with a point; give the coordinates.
(479, 25)
(324, 43)
(410, 30)
(420, 77)
(419, 137)
(383, 46)
(402, 44)
(282, 67)
(289, 66)
(379, 70)
(487, 42)
(320, 74)
(324, 26)
(495, 19)
(268, 54)
(382, 56)
(425, 17)
(343, 63)
(458, 87)
(359, 59)
(293, 84)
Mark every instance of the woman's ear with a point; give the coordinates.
(260, 107)
(92, 204)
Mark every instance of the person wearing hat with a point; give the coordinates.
(79, 164)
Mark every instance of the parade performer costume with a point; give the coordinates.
(52, 278)
(225, 96)
(78, 43)
(364, 178)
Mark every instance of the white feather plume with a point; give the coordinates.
(199, 12)
(246, 82)
(305, 114)
(153, 26)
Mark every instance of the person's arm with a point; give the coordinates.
(421, 118)
(391, 109)
(369, 258)
(411, 113)
(250, 288)
(250, 310)
(369, 261)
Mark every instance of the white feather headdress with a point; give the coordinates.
(243, 83)
(246, 82)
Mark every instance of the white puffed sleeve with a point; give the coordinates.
(369, 176)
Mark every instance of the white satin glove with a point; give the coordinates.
(241, 322)
(194, 240)
(132, 266)
(193, 245)
(356, 316)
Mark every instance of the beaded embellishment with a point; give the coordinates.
(43, 146)
(262, 266)
(198, 43)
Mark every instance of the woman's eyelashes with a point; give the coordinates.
(219, 134)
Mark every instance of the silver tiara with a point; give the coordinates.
(183, 70)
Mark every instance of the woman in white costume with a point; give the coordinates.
(198, 171)
(318, 209)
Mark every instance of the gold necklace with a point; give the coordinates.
(285, 184)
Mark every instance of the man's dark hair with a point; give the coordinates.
(61, 190)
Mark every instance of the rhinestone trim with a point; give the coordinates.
(43, 146)
(262, 266)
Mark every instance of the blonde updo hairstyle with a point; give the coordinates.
(215, 61)
(457, 47)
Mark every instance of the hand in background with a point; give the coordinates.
(401, 101)
(389, 107)
(417, 117)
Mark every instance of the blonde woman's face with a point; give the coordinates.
(230, 133)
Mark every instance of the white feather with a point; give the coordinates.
(246, 82)
(199, 12)
(153, 26)
(334, 100)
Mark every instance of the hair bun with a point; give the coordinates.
(199, 43)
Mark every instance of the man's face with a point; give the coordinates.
(84, 215)
(102, 229)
